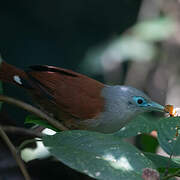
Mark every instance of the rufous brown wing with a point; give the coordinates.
(66, 94)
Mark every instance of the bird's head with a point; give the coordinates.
(122, 103)
(126, 98)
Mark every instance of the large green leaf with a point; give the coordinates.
(167, 135)
(166, 127)
(100, 156)
(139, 125)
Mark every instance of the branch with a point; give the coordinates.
(34, 111)
(21, 131)
(14, 153)
(177, 173)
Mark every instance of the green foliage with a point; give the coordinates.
(148, 143)
(167, 131)
(141, 124)
(161, 161)
(31, 119)
(98, 155)
(107, 156)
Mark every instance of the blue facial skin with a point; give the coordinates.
(151, 105)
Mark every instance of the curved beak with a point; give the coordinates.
(153, 106)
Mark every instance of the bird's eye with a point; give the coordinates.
(139, 101)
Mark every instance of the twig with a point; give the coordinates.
(171, 175)
(14, 153)
(170, 157)
(33, 110)
(21, 131)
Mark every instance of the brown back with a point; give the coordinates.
(74, 94)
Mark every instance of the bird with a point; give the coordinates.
(78, 101)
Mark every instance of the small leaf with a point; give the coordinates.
(167, 131)
(139, 125)
(101, 156)
(148, 143)
(161, 161)
(31, 119)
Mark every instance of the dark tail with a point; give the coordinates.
(11, 74)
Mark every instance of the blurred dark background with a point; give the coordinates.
(58, 33)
